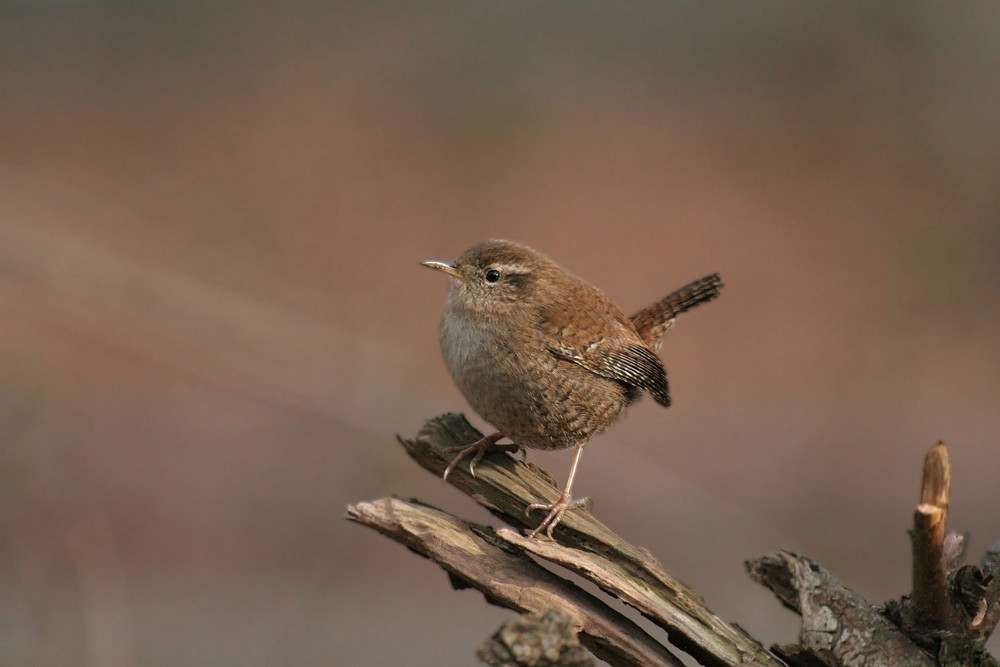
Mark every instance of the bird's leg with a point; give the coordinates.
(480, 447)
(564, 503)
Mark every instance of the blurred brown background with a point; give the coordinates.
(213, 321)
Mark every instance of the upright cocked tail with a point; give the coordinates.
(653, 321)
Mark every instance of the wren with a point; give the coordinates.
(545, 357)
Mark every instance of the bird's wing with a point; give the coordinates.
(632, 364)
(602, 340)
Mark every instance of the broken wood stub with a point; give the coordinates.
(953, 607)
(930, 604)
(946, 620)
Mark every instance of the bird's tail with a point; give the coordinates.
(653, 321)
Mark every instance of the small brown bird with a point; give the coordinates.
(545, 357)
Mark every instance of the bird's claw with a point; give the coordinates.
(480, 447)
(556, 511)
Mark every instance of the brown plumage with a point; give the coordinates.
(545, 357)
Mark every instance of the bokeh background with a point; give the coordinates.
(213, 322)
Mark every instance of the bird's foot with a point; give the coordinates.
(479, 448)
(556, 511)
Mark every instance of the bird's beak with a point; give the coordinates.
(443, 266)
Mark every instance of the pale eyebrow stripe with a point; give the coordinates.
(512, 268)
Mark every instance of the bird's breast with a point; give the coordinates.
(511, 378)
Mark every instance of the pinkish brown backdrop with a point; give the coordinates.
(213, 321)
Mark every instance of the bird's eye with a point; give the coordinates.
(492, 276)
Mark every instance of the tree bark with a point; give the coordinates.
(946, 621)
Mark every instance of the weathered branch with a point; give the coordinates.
(530, 639)
(839, 627)
(506, 487)
(989, 581)
(692, 627)
(946, 621)
(473, 556)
